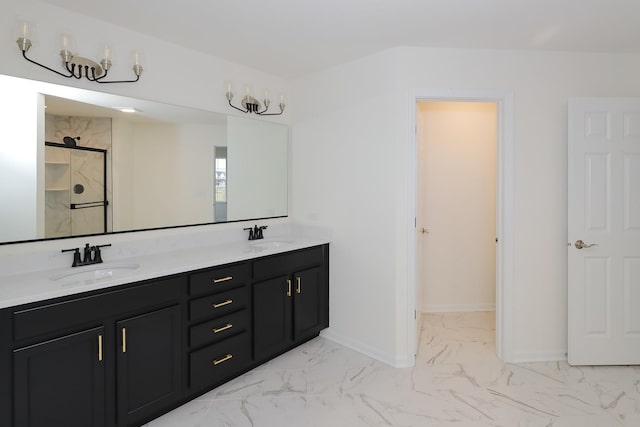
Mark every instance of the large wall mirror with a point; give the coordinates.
(75, 162)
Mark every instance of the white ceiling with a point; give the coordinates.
(290, 38)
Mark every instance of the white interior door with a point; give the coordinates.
(604, 211)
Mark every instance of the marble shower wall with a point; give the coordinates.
(94, 132)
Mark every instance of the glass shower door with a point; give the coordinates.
(88, 201)
(75, 190)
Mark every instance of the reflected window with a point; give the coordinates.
(220, 184)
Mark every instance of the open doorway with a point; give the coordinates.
(456, 215)
(503, 238)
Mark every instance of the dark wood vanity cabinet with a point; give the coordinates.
(125, 355)
(219, 325)
(97, 359)
(61, 382)
(148, 364)
(290, 300)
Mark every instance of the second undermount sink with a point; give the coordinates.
(93, 273)
(270, 244)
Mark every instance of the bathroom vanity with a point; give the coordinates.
(131, 349)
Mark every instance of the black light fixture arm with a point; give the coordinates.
(137, 69)
(24, 55)
(264, 113)
(239, 109)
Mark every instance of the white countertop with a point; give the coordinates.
(35, 286)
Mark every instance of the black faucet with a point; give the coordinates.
(88, 255)
(255, 233)
(76, 256)
(91, 255)
(251, 235)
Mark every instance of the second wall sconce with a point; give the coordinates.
(252, 105)
(78, 66)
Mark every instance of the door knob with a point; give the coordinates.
(582, 245)
(424, 230)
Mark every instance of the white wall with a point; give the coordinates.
(457, 193)
(256, 169)
(122, 161)
(21, 153)
(354, 117)
(345, 175)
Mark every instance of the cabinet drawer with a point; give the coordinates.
(63, 315)
(218, 304)
(265, 268)
(218, 279)
(220, 361)
(219, 329)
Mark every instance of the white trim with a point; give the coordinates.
(366, 349)
(504, 212)
(540, 356)
(452, 308)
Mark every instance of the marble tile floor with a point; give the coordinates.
(457, 381)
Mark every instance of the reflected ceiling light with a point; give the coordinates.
(128, 109)
(77, 66)
(252, 105)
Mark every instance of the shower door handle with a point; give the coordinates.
(88, 205)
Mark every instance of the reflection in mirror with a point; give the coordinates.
(220, 171)
(75, 190)
(161, 165)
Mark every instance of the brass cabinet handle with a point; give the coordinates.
(288, 287)
(222, 279)
(124, 340)
(222, 304)
(99, 348)
(297, 284)
(224, 328)
(224, 359)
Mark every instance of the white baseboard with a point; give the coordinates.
(449, 308)
(540, 356)
(366, 349)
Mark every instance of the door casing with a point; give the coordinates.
(504, 214)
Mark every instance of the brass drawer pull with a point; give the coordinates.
(297, 284)
(224, 359)
(124, 340)
(288, 287)
(222, 279)
(222, 304)
(224, 328)
(99, 348)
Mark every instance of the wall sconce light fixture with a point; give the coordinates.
(252, 105)
(78, 66)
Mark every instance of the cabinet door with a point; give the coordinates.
(61, 382)
(272, 316)
(307, 319)
(148, 364)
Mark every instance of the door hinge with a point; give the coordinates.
(415, 315)
(415, 222)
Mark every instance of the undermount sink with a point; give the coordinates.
(94, 273)
(270, 244)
